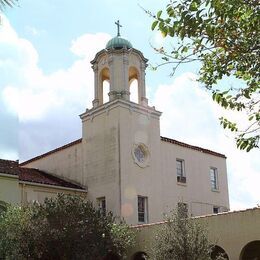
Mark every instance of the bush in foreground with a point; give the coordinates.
(65, 227)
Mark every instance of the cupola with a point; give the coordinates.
(118, 43)
(118, 69)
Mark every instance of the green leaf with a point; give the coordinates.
(193, 6)
(159, 14)
(154, 24)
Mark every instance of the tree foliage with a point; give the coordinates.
(181, 238)
(66, 227)
(223, 35)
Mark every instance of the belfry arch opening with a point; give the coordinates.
(134, 85)
(105, 85)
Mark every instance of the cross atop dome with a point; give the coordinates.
(118, 42)
(118, 27)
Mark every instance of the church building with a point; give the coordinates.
(122, 163)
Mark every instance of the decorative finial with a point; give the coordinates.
(118, 27)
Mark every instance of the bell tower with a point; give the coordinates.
(120, 138)
(119, 64)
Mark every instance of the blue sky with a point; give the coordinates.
(46, 81)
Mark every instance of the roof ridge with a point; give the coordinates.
(52, 151)
(197, 148)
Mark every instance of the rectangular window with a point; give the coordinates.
(102, 205)
(180, 171)
(215, 210)
(182, 209)
(142, 209)
(214, 178)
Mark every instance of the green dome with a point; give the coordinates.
(118, 43)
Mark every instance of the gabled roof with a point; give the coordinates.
(34, 175)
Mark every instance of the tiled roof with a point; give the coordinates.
(37, 176)
(34, 175)
(9, 167)
(197, 148)
(52, 151)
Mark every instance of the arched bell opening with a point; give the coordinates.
(134, 85)
(133, 89)
(104, 87)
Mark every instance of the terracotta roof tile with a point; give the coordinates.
(197, 148)
(34, 175)
(38, 176)
(9, 167)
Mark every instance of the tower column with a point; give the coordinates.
(112, 93)
(95, 102)
(142, 93)
(125, 92)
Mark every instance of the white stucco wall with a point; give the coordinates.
(197, 192)
(66, 163)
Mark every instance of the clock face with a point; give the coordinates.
(141, 155)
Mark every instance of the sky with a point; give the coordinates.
(46, 81)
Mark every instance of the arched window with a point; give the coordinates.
(217, 252)
(134, 85)
(140, 256)
(251, 251)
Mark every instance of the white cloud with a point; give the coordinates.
(88, 45)
(33, 94)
